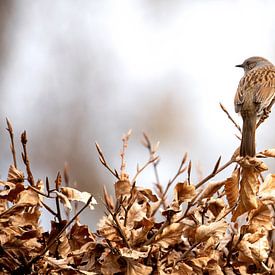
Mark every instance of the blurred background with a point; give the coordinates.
(76, 72)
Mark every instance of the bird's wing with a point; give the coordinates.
(239, 96)
(266, 88)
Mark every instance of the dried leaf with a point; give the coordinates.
(170, 235)
(15, 175)
(269, 153)
(260, 217)
(267, 190)
(232, 188)
(135, 268)
(74, 195)
(210, 190)
(108, 199)
(122, 187)
(184, 192)
(249, 188)
(204, 232)
(133, 254)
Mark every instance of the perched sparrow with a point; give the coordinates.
(254, 96)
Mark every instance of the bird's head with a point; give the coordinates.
(254, 62)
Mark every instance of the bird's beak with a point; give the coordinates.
(239, 66)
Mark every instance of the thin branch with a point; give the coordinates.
(12, 147)
(214, 173)
(181, 170)
(139, 170)
(229, 116)
(125, 140)
(26, 159)
(103, 161)
(57, 184)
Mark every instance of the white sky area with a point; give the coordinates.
(146, 41)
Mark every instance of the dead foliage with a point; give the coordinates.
(206, 227)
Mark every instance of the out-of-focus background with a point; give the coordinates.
(76, 72)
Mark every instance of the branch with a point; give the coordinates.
(103, 161)
(10, 130)
(229, 116)
(26, 159)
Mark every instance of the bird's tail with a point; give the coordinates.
(248, 134)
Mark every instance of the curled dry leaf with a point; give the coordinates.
(204, 232)
(184, 192)
(108, 199)
(28, 197)
(267, 190)
(260, 217)
(249, 188)
(232, 188)
(255, 251)
(269, 153)
(122, 187)
(133, 254)
(15, 175)
(210, 190)
(75, 195)
(170, 235)
(135, 268)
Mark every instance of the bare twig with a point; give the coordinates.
(152, 151)
(26, 159)
(125, 140)
(229, 116)
(12, 147)
(140, 169)
(214, 172)
(103, 161)
(57, 185)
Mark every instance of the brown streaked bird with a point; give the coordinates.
(254, 96)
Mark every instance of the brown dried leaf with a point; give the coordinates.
(267, 190)
(107, 230)
(15, 175)
(249, 188)
(148, 194)
(109, 264)
(269, 153)
(204, 232)
(108, 199)
(260, 217)
(232, 188)
(11, 190)
(255, 250)
(170, 235)
(64, 200)
(182, 269)
(28, 197)
(133, 254)
(80, 235)
(75, 195)
(135, 268)
(122, 187)
(210, 190)
(184, 192)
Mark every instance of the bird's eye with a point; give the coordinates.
(251, 65)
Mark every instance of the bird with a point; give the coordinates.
(253, 99)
